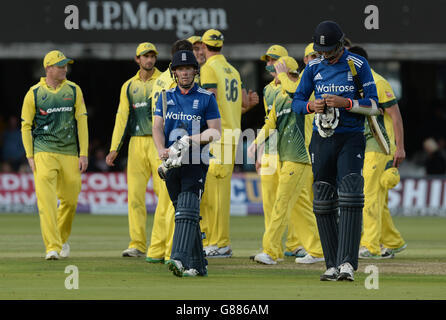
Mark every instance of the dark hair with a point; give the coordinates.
(359, 50)
(213, 49)
(181, 45)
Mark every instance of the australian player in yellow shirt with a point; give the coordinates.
(294, 176)
(134, 118)
(55, 137)
(381, 174)
(222, 79)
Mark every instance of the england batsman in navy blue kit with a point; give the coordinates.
(184, 124)
(337, 145)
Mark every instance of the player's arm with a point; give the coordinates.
(158, 130)
(400, 153)
(282, 74)
(119, 130)
(82, 129)
(301, 103)
(28, 113)
(267, 130)
(249, 100)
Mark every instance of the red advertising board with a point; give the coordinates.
(106, 193)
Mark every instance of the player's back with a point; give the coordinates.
(218, 72)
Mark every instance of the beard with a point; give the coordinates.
(149, 68)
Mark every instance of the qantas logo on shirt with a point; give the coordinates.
(139, 105)
(182, 116)
(53, 110)
(334, 88)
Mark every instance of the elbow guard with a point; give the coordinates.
(372, 110)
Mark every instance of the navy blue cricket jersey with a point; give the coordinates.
(186, 113)
(324, 78)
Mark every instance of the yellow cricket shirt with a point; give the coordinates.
(134, 116)
(55, 120)
(220, 74)
(291, 128)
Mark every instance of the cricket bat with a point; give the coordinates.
(373, 123)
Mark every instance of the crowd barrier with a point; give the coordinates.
(106, 193)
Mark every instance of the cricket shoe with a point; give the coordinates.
(208, 249)
(364, 253)
(154, 260)
(308, 259)
(264, 258)
(193, 273)
(65, 252)
(52, 255)
(223, 252)
(387, 251)
(346, 272)
(331, 274)
(132, 252)
(299, 252)
(176, 267)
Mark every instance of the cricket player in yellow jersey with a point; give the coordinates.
(381, 174)
(164, 220)
(267, 165)
(222, 79)
(55, 137)
(294, 176)
(134, 117)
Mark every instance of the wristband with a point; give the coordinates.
(351, 104)
(308, 109)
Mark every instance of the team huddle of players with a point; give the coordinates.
(56, 144)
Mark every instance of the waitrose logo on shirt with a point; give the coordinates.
(334, 88)
(182, 116)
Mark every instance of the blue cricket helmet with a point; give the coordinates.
(327, 36)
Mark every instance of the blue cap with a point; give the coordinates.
(184, 58)
(327, 36)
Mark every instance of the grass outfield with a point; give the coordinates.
(97, 242)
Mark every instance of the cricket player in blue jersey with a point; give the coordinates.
(186, 119)
(337, 145)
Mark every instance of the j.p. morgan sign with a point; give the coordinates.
(242, 22)
(114, 15)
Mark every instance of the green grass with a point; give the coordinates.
(97, 243)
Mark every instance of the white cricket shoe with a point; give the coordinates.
(133, 252)
(210, 248)
(190, 273)
(223, 252)
(176, 267)
(346, 272)
(65, 252)
(331, 274)
(389, 251)
(264, 258)
(52, 255)
(308, 259)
